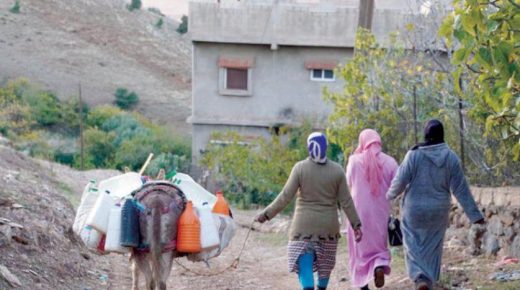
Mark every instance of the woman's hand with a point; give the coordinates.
(358, 235)
(261, 218)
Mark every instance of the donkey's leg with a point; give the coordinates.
(135, 272)
(143, 264)
(166, 267)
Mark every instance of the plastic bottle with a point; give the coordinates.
(98, 217)
(113, 238)
(221, 206)
(130, 224)
(209, 236)
(188, 235)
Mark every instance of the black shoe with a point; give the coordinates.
(365, 287)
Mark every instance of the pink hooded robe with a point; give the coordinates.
(369, 175)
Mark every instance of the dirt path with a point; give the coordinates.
(263, 266)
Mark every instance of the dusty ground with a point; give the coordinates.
(263, 266)
(60, 43)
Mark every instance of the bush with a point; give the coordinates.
(169, 162)
(99, 115)
(126, 100)
(159, 23)
(183, 27)
(254, 173)
(99, 148)
(134, 5)
(16, 7)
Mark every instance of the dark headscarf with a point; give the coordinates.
(433, 134)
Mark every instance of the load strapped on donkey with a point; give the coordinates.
(169, 217)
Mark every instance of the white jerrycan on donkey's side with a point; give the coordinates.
(193, 191)
(209, 237)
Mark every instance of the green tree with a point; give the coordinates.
(16, 7)
(485, 36)
(183, 26)
(125, 99)
(99, 148)
(159, 23)
(135, 5)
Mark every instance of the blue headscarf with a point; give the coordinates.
(317, 146)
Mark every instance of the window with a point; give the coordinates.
(236, 79)
(324, 75)
(235, 76)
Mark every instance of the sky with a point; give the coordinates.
(172, 8)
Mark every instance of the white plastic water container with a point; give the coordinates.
(121, 185)
(193, 191)
(113, 238)
(208, 230)
(90, 237)
(98, 217)
(88, 199)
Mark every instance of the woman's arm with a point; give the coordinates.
(402, 178)
(286, 195)
(460, 189)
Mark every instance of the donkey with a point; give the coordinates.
(163, 205)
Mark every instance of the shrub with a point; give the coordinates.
(159, 23)
(169, 162)
(99, 115)
(155, 10)
(125, 127)
(183, 27)
(16, 7)
(126, 100)
(99, 148)
(134, 5)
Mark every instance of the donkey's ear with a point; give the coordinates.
(161, 174)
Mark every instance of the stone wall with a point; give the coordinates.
(501, 207)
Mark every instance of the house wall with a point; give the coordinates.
(282, 92)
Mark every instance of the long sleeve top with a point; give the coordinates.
(319, 189)
(428, 175)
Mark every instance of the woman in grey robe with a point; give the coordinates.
(429, 172)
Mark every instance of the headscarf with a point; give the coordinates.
(433, 134)
(317, 146)
(369, 147)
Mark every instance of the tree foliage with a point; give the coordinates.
(485, 37)
(125, 99)
(183, 26)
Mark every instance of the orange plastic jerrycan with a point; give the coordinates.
(221, 206)
(188, 233)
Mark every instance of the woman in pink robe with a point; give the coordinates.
(369, 175)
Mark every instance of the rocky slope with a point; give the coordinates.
(103, 46)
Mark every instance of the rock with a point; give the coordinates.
(9, 277)
(507, 218)
(491, 246)
(5, 235)
(515, 247)
(495, 226)
(475, 237)
(509, 234)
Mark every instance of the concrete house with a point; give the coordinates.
(262, 64)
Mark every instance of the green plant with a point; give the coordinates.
(125, 99)
(134, 5)
(485, 37)
(16, 7)
(99, 149)
(252, 172)
(159, 23)
(183, 26)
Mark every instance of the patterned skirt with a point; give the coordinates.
(324, 253)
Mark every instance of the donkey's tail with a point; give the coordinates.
(155, 243)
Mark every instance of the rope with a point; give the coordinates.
(233, 264)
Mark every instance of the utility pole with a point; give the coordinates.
(81, 128)
(366, 14)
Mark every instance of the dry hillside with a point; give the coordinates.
(59, 43)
